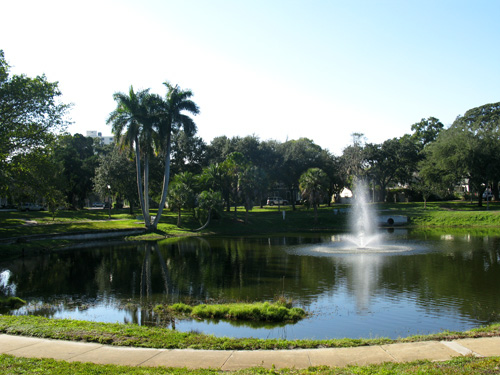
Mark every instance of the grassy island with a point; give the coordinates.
(258, 311)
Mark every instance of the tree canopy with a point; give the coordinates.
(30, 111)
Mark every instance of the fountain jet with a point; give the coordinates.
(363, 222)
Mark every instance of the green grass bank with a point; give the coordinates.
(157, 337)
(461, 365)
(26, 227)
(23, 233)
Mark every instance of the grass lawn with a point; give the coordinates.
(461, 365)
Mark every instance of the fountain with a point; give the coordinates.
(364, 236)
(363, 221)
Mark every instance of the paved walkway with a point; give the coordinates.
(239, 359)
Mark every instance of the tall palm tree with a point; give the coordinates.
(170, 118)
(132, 122)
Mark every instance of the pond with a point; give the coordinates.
(423, 282)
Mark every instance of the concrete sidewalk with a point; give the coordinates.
(239, 359)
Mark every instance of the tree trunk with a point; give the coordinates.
(179, 217)
(166, 177)
(228, 200)
(383, 193)
(146, 190)
(139, 182)
(495, 191)
(292, 198)
(206, 224)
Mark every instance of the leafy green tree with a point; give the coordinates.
(215, 177)
(298, 156)
(76, 156)
(30, 113)
(260, 181)
(188, 153)
(211, 177)
(54, 199)
(261, 154)
(116, 170)
(469, 148)
(182, 193)
(132, 122)
(426, 131)
(248, 186)
(37, 176)
(431, 180)
(233, 167)
(170, 118)
(353, 160)
(314, 187)
(391, 162)
(332, 166)
(408, 155)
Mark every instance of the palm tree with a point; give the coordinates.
(132, 122)
(313, 185)
(170, 118)
(215, 177)
(209, 201)
(182, 193)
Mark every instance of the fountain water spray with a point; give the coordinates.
(362, 219)
(364, 236)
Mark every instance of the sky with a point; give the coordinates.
(276, 69)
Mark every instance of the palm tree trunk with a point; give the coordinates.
(139, 180)
(208, 221)
(146, 191)
(166, 177)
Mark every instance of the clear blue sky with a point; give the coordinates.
(279, 69)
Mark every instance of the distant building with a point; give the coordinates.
(104, 140)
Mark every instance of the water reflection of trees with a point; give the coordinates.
(464, 273)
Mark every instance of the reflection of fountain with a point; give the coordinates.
(363, 271)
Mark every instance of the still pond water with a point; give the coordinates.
(425, 282)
